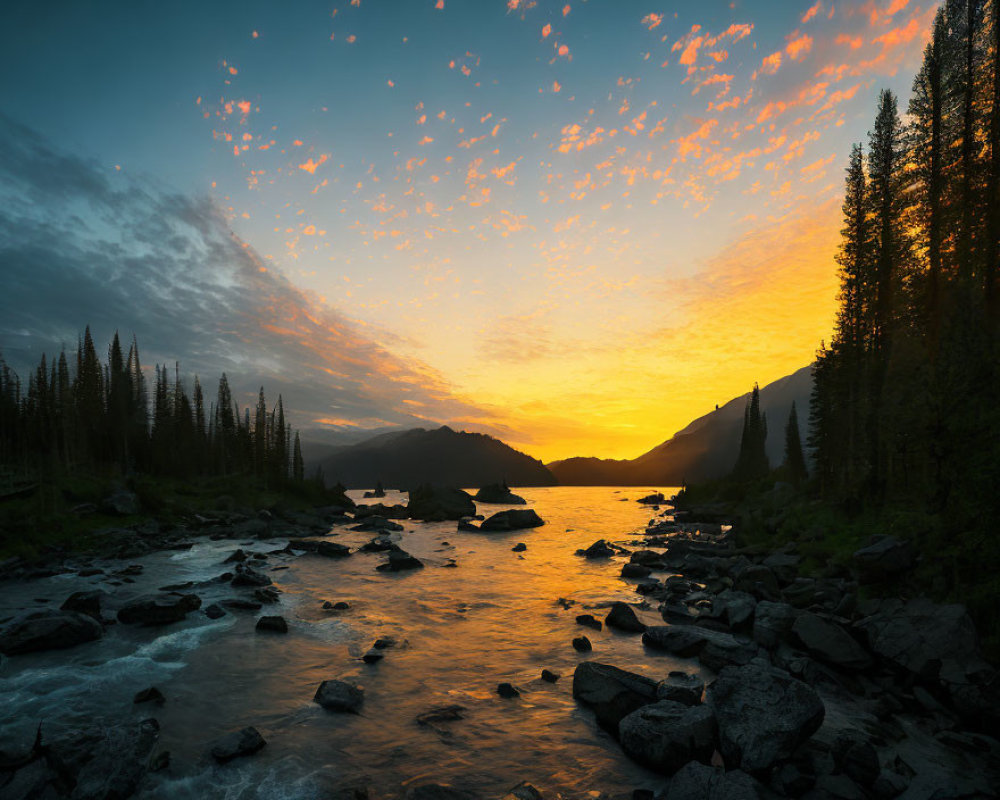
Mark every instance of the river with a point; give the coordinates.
(494, 617)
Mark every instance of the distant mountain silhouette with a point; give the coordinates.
(402, 459)
(705, 449)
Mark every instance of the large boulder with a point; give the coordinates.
(513, 520)
(498, 493)
(883, 559)
(919, 635)
(599, 549)
(611, 692)
(248, 576)
(161, 609)
(683, 641)
(119, 762)
(763, 714)
(439, 503)
(340, 696)
(681, 687)
(399, 561)
(696, 781)
(48, 630)
(829, 642)
(622, 616)
(772, 622)
(735, 609)
(243, 742)
(86, 602)
(665, 735)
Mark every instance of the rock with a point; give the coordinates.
(48, 630)
(441, 714)
(400, 560)
(160, 761)
(161, 609)
(736, 609)
(377, 523)
(373, 656)
(436, 504)
(340, 696)
(242, 604)
(582, 644)
(723, 650)
(498, 493)
(384, 643)
(380, 544)
(589, 621)
(829, 642)
(236, 557)
(515, 519)
(622, 616)
(611, 692)
(121, 502)
(332, 550)
(118, 763)
(785, 566)
(215, 611)
(696, 781)
(507, 690)
(468, 526)
(772, 623)
(681, 687)
(635, 571)
(87, 602)
(243, 742)
(919, 635)
(340, 605)
(665, 735)
(150, 695)
(247, 576)
(599, 549)
(437, 791)
(523, 791)
(763, 715)
(683, 641)
(266, 594)
(885, 558)
(520, 547)
(857, 758)
(757, 580)
(273, 624)
(652, 499)
(550, 677)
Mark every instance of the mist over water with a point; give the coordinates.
(460, 631)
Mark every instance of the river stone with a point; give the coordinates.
(436, 504)
(734, 608)
(723, 650)
(48, 630)
(549, 676)
(150, 695)
(599, 549)
(498, 493)
(884, 558)
(332, 550)
(400, 560)
(161, 609)
(523, 791)
(681, 687)
(582, 644)
(763, 714)
(631, 570)
(622, 616)
(340, 696)
(377, 523)
(682, 641)
(758, 580)
(243, 742)
(247, 576)
(87, 602)
(697, 781)
(772, 623)
(589, 621)
(118, 763)
(829, 642)
(273, 624)
(611, 692)
(507, 690)
(512, 520)
(665, 735)
(919, 635)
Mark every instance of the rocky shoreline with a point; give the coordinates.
(818, 691)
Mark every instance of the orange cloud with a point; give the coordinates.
(812, 12)
(311, 166)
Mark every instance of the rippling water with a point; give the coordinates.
(461, 631)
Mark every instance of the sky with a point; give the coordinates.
(573, 225)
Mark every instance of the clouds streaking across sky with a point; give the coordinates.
(577, 225)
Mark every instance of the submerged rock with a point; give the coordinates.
(622, 616)
(160, 609)
(611, 692)
(48, 630)
(599, 549)
(150, 695)
(400, 560)
(332, 550)
(507, 690)
(582, 644)
(515, 519)
(337, 695)
(243, 742)
(118, 763)
(247, 576)
(589, 621)
(273, 624)
(87, 602)
(437, 791)
(549, 676)
(498, 493)
(666, 735)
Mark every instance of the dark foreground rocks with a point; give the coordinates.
(161, 609)
(611, 692)
(666, 735)
(243, 742)
(336, 695)
(48, 630)
(513, 520)
(439, 503)
(498, 493)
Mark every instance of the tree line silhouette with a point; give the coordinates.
(97, 417)
(905, 398)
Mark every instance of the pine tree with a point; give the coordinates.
(298, 465)
(752, 463)
(795, 462)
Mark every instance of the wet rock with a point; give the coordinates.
(507, 690)
(468, 526)
(377, 523)
(549, 676)
(87, 602)
(242, 604)
(696, 781)
(273, 624)
(785, 566)
(611, 692)
(829, 642)
(838, 787)
(118, 763)
(160, 761)
(599, 549)
(150, 695)
(243, 742)
(399, 561)
(623, 617)
(885, 558)
(758, 580)
(161, 609)
(652, 499)
(337, 695)
(267, 594)
(582, 644)
(397, 511)
(380, 544)
(515, 519)
(857, 758)
(48, 630)
(237, 557)
(665, 735)
(437, 791)
(635, 571)
(215, 611)
(523, 791)
(437, 503)
(772, 623)
(247, 576)
(683, 641)
(373, 656)
(681, 687)
(332, 550)
(734, 608)
(723, 650)
(384, 643)
(441, 714)
(340, 605)
(589, 621)
(520, 547)
(498, 493)
(763, 715)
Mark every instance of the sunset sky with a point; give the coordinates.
(575, 225)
